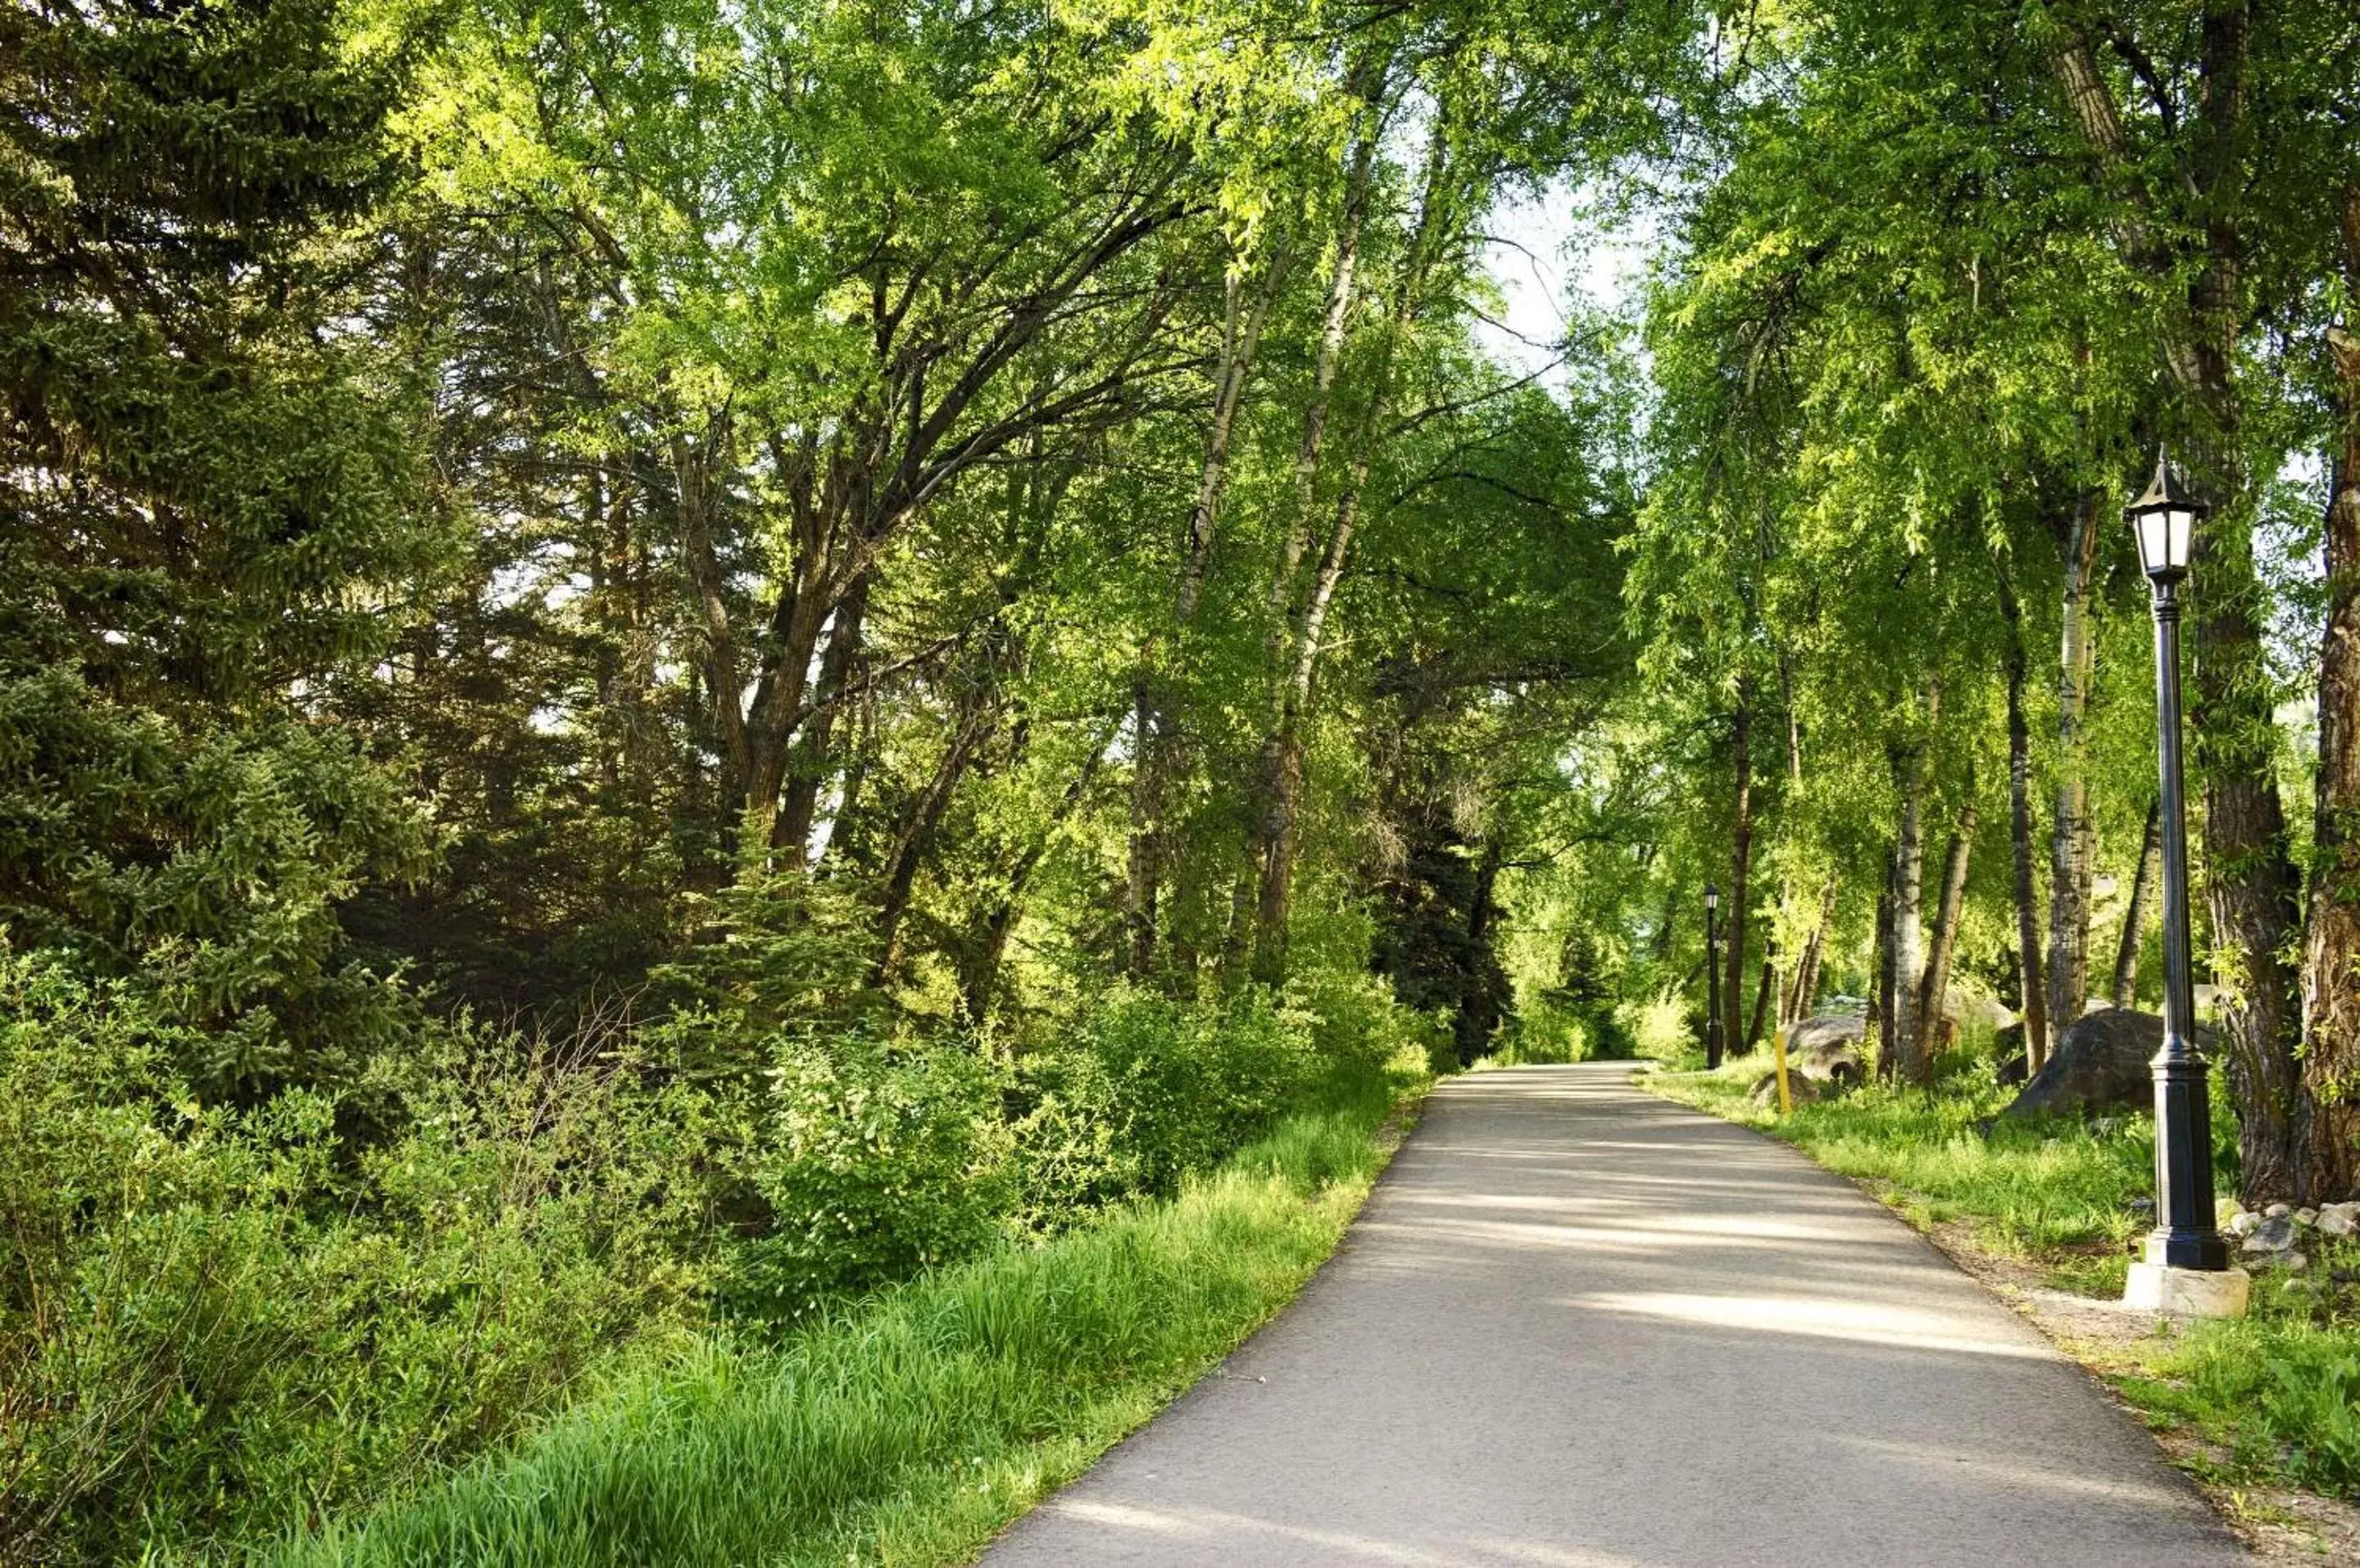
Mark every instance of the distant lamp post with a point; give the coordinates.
(1712, 977)
(2186, 1263)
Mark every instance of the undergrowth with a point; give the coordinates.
(910, 1426)
(2276, 1397)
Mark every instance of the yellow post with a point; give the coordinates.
(1785, 1095)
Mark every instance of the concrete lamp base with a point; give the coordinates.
(2189, 1292)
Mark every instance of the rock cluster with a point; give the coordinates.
(2275, 1236)
(1822, 1059)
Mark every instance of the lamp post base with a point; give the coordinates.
(2189, 1292)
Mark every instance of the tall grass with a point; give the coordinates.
(912, 1427)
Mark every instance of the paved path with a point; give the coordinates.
(1578, 1327)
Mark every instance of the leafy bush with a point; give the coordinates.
(917, 1426)
(878, 1160)
(1143, 1090)
(1358, 1030)
(216, 1319)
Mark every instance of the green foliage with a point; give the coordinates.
(214, 1319)
(877, 1160)
(214, 513)
(2282, 1396)
(916, 1425)
(1140, 1091)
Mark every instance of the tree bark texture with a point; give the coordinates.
(2124, 990)
(1741, 867)
(2071, 832)
(1305, 627)
(1262, 803)
(2032, 997)
(2250, 885)
(1912, 768)
(1763, 990)
(1881, 1002)
(1160, 747)
(2330, 960)
(1933, 995)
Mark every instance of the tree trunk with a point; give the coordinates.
(2251, 887)
(1283, 750)
(1269, 764)
(807, 775)
(1159, 746)
(2330, 959)
(1273, 909)
(1479, 1000)
(917, 836)
(2071, 849)
(1741, 865)
(1881, 1000)
(2031, 994)
(2125, 988)
(980, 978)
(1805, 990)
(1762, 991)
(1913, 769)
(1933, 996)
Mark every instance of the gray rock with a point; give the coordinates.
(2306, 1217)
(2339, 1219)
(2277, 1211)
(1826, 1047)
(2274, 1234)
(2100, 1064)
(1801, 1090)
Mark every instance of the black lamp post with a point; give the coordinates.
(1712, 977)
(2185, 1236)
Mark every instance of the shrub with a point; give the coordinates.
(1358, 1030)
(1143, 1089)
(216, 1319)
(915, 1427)
(879, 1159)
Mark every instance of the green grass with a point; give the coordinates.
(909, 1429)
(2277, 1396)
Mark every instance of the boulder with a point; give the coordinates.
(2339, 1219)
(2100, 1064)
(1801, 1090)
(1826, 1047)
(1974, 1011)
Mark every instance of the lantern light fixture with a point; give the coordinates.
(2165, 521)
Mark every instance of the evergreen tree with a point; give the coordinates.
(211, 516)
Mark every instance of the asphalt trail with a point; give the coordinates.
(1578, 1327)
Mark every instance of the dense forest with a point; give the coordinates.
(662, 663)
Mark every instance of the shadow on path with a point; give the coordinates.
(1580, 1327)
